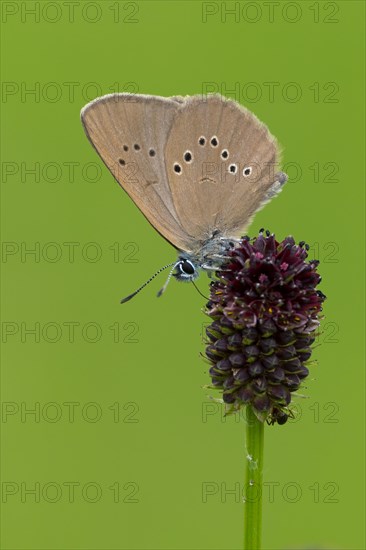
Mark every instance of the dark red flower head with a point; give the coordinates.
(265, 310)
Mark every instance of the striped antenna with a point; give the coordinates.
(168, 279)
(147, 282)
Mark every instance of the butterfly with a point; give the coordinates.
(198, 168)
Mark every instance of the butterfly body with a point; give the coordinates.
(209, 256)
(197, 167)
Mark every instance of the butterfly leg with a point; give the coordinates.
(231, 240)
(212, 268)
(220, 256)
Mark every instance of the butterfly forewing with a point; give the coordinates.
(129, 133)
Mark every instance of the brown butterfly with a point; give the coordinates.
(198, 168)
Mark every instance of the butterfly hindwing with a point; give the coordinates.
(221, 165)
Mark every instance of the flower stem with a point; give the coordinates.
(253, 481)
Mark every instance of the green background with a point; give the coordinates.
(142, 421)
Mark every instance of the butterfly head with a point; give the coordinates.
(185, 270)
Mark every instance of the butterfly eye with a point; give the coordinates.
(177, 168)
(224, 154)
(188, 156)
(233, 168)
(214, 141)
(202, 140)
(247, 171)
(187, 267)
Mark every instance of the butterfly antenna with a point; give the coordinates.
(168, 279)
(147, 282)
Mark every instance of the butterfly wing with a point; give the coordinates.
(129, 132)
(221, 164)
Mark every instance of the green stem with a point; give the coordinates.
(253, 482)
